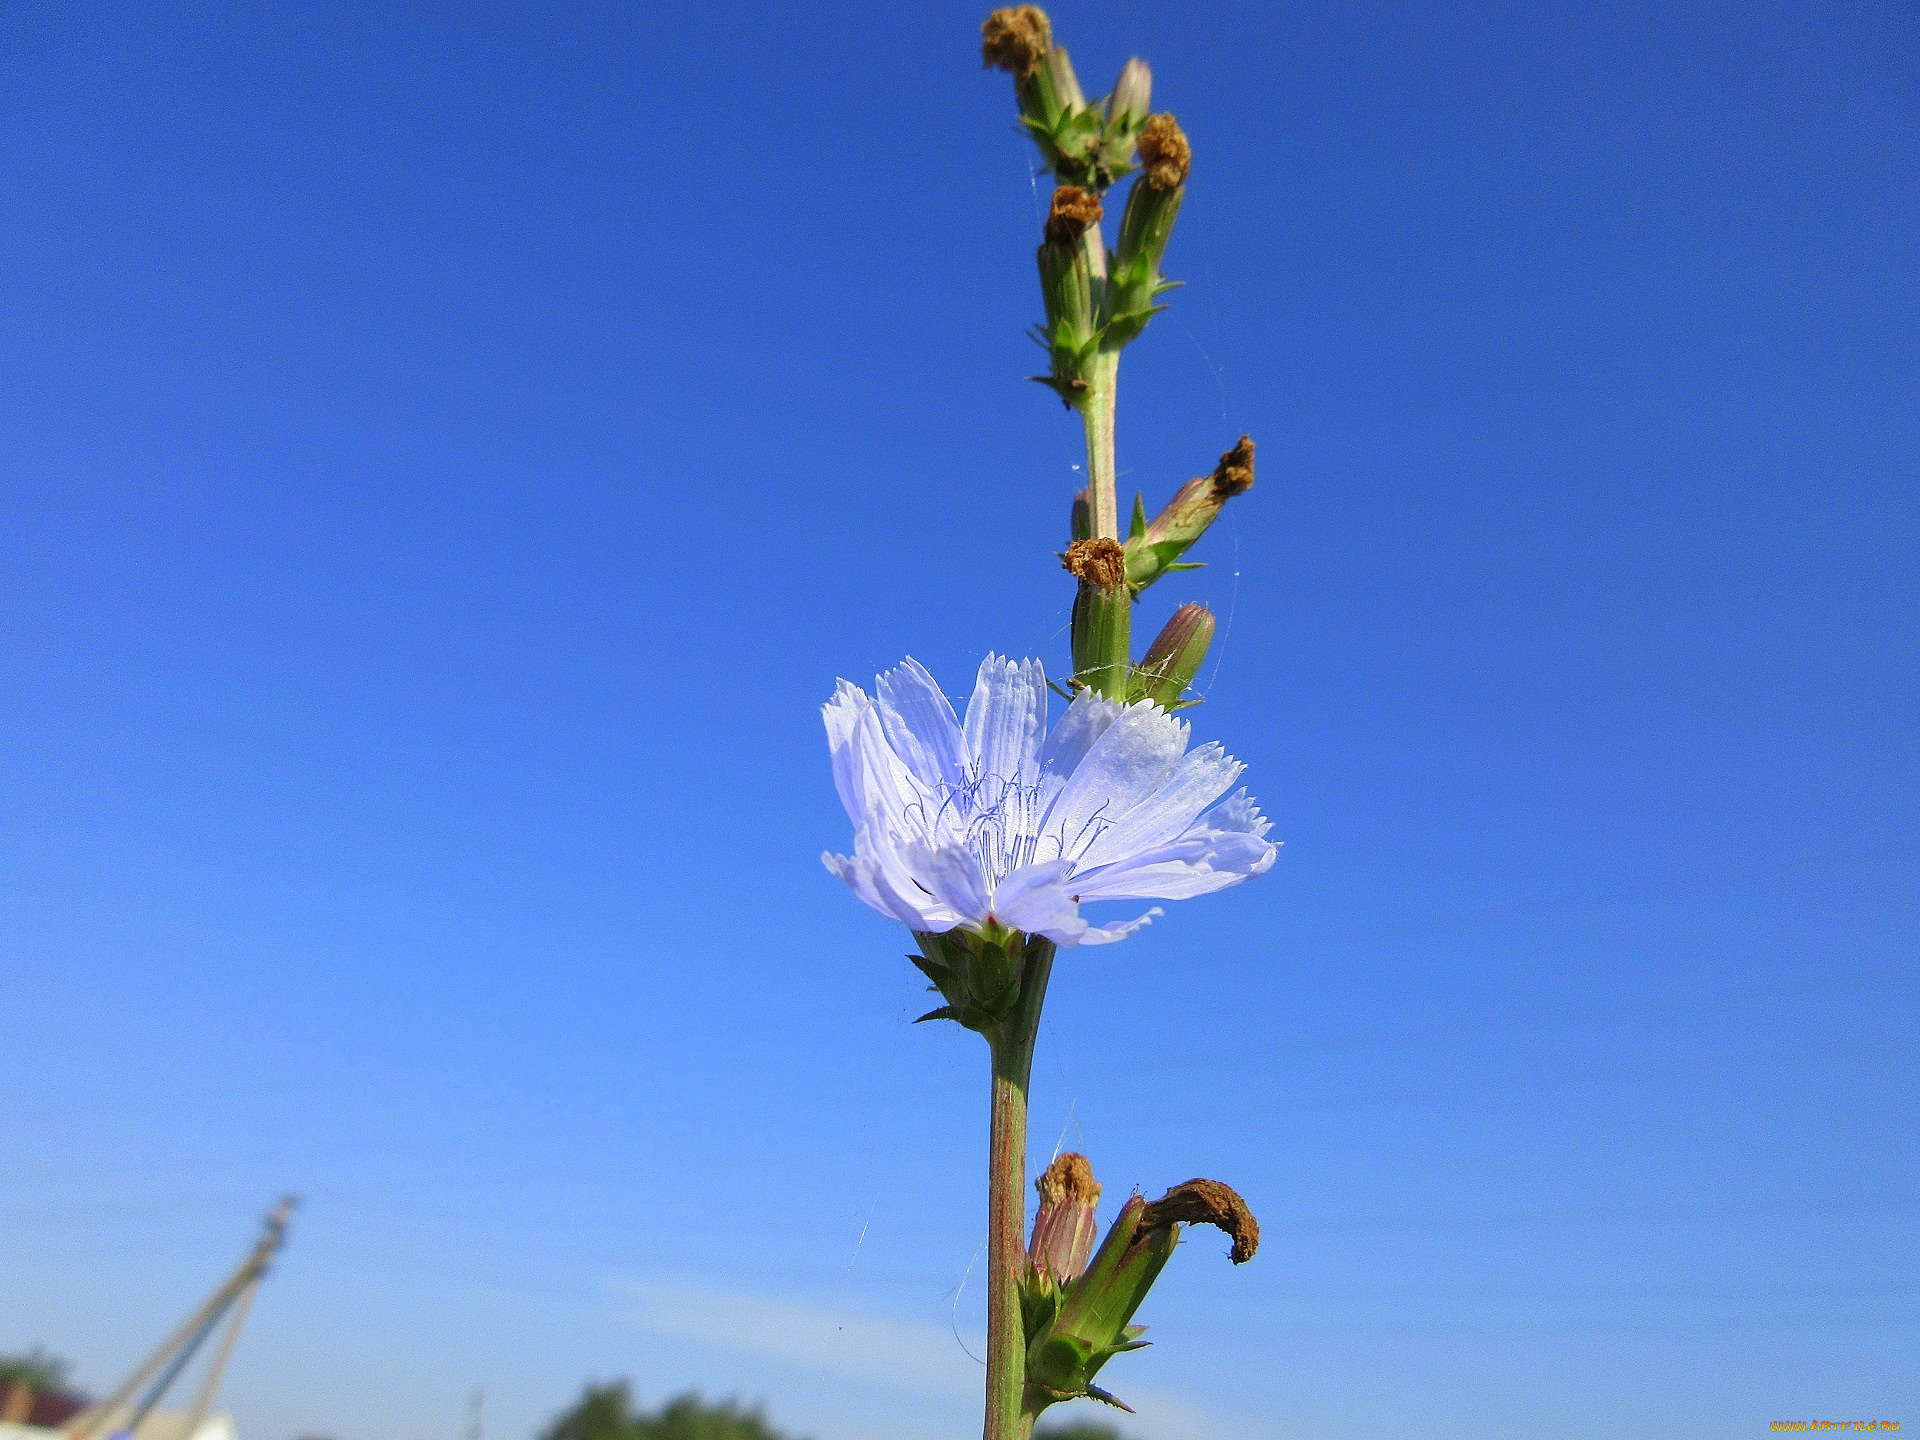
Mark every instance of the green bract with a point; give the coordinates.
(980, 976)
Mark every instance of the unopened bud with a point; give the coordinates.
(1146, 225)
(1016, 40)
(1093, 1321)
(1195, 506)
(1071, 335)
(1063, 1229)
(1132, 95)
(1064, 82)
(1173, 659)
(1102, 616)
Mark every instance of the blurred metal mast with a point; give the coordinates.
(230, 1301)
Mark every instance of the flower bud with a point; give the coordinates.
(1146, 225)
(1093, 1321)
(1154, 551)
(1132, 96)
(1102, 615)
(1063, 1229)
(1019, 40)
(1064, 82)
(1173, 659)
(1071, 335)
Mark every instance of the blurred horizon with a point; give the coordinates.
(451, 451)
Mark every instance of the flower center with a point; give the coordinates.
(1005, 826)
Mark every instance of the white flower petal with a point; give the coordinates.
(952, 876)
(1086, 720)
(1127, 762)
(1034, 898)
(956, 823)
(920, 725)
(1226, 846)
(896, 867)
(888, 789)
(1119, 930)
(1200, 778)
(841, 714)
(1005, 719)
(860, 876)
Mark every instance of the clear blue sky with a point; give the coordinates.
(448, 452)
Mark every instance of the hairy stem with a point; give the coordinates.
(1012, 1045)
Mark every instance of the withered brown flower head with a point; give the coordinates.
(1207, 1202)
(1068, 1178)
(1016, 39)
(1072, 211)
(1097, 562)
(1234, 474)
(1165, 152)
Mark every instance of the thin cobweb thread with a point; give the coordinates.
(958, 1291)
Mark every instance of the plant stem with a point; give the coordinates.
(1097, 414)
(1012, 1046)
(1102, 616)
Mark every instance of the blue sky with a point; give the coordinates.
(450, 451)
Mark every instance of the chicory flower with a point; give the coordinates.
(998, 822)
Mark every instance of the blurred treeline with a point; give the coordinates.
(605, 1412)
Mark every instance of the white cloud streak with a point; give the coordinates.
(914, 1356)
(900, 1354)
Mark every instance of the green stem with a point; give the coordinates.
(1102, 617)
(1096, 413)
(1012, 1045)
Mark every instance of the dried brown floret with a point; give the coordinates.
(1068, 1178)
(1098, 562)
(1234, 474)
(1207, 1202)
(1016, 39)
(1165, 152)
(1072, 211)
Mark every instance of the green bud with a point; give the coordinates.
(1146, 225)
(1068, 284)
(1093, 1321)
(1065, 83)
(1173, 659)
(1102, 616)
(1132, 96)
(1089, 145)
(1157, 549)
(1019, 40)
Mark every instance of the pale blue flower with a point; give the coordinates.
(999, 820)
